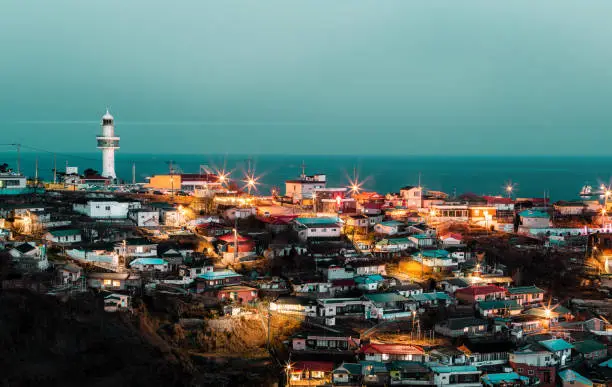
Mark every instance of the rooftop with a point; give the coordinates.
(533, 214)
(572, 376)
(221, 274)
(499, 304)
(555, 345)
(480, 290)
(148, 261)
(525, 290)
(392, 349)
(385, 297)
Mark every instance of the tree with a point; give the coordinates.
(4, 168)
(90, 172)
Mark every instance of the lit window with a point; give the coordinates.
(116, 284)
(107, 282)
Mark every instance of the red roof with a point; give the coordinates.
(325, 366)
(480, 290)
(454, 235)
(343, 282)
(392, 349)
(229, 238)
(277, 219)
(498, 200)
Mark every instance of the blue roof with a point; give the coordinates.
(448, 369)
(148, 261)
(607, 363)
(442, 254)
(555, 345)
(571, 375)
(326, 220)
(368, 279)
(492, 379)
(533, 214)
(391, 223)
(221, 274)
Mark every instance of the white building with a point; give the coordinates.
(144, 218)
(105, 209)
(64, 236)
(304, 187)
(534, 219)
(459, 376)
(149, 264)
(108, 142)
(12, 184)
(29, 256)
(391, 227)
(412, 196)
(308, 228)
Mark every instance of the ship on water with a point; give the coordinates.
(587, 192)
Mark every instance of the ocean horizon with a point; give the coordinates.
(561, 177)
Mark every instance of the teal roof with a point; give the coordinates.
(571, 376)
(440, 254)
(68, 232)
(607, 363)
(533, 214)
(507, 377)
(368, 279)
(421, 236)
(372, 367)
(588, 346)
(398, 241)
(391, 223)
(308, 221)
(525, 290)
(430, 296)
(221, 274)
(338, 300)
(352, 368)
(385, 297)
(449, 369)
(148, 261)
(555, 345)
(499, 304)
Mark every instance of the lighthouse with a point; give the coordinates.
(108, 142)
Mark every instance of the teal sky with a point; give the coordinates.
(309, 77)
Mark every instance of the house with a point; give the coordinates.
(536, 363)
(68, 273)
(340, 286)
(387, 306)
(571, 378)
(526, 295)
(113, 281)
(462, 326)
(436, 260)
(380, 352)
(311, 286)
(358, 222)
(190, 272)
(410, 373)
(239, 213)
(294, 305)
(431, 299)
(347, 374)
(149, 264)
(66, 236)
(217, 279)
(505, 379)
(28, 256)
(105, 209)
(451, 239)
(144, 217)
(412, 196)
(324, 341)
(463, 376)
(561, 349)
(569, 208)
(115, 302)
(337, 307)
(474, 294)
(486, 353)
(335, 272)
(374, 373)
(394, 245)
(308, 228)
(451, 285)
(235, 245)
(525, 324)
(534, 219)
(409, 289)
(304, 187)
(423, 240)
(391, 227)
(369, 282)
(498, 308)
(590, 350)
(237, 293)
(310, 373)
(136, 248)
(365, 267)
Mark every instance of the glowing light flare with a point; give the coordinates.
(251, 182)
(338, 200)
(433, 213)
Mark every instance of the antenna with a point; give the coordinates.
(303, 166)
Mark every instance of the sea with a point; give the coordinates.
(556, 176)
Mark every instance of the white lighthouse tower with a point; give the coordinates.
(108, 142)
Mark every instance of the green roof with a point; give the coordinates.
(385, 297)
(352, 368)
(573, 376)
(495, 379)
(430, 296)
(371, 367)
(525, 290)
(65, 232)
(338, 300)
(555, 345)
(588, 346)
(499, 304)
(449, 369)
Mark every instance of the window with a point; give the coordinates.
(324, 230)
(333, 229)
(116, 284)
(519, 370)
(107, 282)
(530, 372)
(107, 208)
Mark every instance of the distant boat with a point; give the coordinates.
(586, 191)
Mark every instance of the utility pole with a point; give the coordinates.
(54, 169)
(18, 159)
(133, 173)
(36, 172)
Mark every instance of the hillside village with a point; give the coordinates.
(331, 286)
